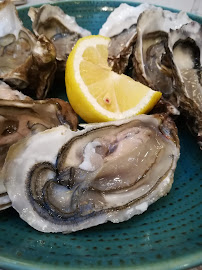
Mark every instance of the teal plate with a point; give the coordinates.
(167, 236)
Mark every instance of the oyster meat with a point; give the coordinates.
(121, 28)
(18, 119)
(63, 181)
(185, 48)
(58, 27)
(27, 63)
(152, 66)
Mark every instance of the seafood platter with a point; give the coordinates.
(78, 161)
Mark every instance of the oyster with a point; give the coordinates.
(57, 26)
(6, 92)
(27, 63)
(63, 181)
(152, 66)
(185, 48)
(18, 119)
(121, 28)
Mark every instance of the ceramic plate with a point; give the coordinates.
(167, 236)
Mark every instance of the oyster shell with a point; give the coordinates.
(58, 27)
(152, 66)
(105, 172)
(27, 63)
(5, 201)
(121, 28)
(167, 57)
(19, 119)
(6, 92)
(185, 48)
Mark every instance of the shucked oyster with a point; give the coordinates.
(64, 181)
(167, 57)
(152, 64)
(26, 63)
(121, 28)
(18, 119)
(57, 26)
(185, 48)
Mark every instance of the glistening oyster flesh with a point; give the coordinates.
(63, 181)
(185, 48)
(58, 27)
(19, 119)
(27, 63)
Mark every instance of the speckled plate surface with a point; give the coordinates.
(167, 236)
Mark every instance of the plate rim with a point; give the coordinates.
(180, 262)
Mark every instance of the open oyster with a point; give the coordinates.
(63, 181)
(167, 57)
(57, 26)
(152, 65)
(121, 28)
(185, 48)
(27, 63)
(18, 119)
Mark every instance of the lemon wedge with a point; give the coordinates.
(98, 94)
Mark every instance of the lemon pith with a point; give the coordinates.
(95, 92)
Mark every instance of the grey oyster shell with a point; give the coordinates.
(105, 172)
(6, 92)
(121, 28)
(19, 119)
(27, 63)
(121, 49)
(152, 66)
(60, 28)
(185, 48)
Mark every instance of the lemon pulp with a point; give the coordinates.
(95, 92)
